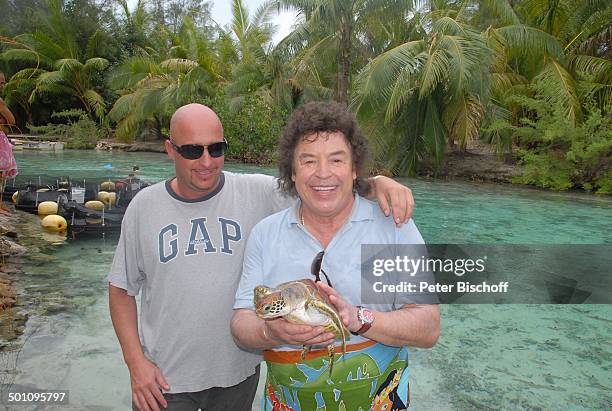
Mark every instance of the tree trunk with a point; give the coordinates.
(344, 60)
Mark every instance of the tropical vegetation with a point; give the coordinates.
(531, 78)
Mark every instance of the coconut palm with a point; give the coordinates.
(419, 95)
(258, 67)
(153, 85)
(467, 69)
(332, 38)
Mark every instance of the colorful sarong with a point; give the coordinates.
(371, 376)
(8, 166)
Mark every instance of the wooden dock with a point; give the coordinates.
(32, 142)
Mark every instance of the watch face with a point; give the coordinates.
(367, 316)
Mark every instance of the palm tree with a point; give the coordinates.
(331, 36)
(53, 59)
(420, 95)
(258, 67)
(153, 85)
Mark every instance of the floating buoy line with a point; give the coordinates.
(78, 207)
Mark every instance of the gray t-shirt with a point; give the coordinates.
(186, 258)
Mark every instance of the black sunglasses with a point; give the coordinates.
(316, 270)
(195, 151)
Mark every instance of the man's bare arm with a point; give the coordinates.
(145, 377)
(413, 325)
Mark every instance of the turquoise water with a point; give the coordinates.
(488, 357)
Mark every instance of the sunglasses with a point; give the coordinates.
(316, 270)
(195, 151)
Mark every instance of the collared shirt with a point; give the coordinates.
(280, 249)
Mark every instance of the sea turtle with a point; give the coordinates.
(300, 302)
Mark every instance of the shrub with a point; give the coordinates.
(79, 131)
(559, 155)
(252, 130)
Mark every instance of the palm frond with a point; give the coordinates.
(462, 118)
(530, 41)
(379, 74)
(435, 71)
(403, 89)
(240, 19)
(559, 88)
(96, 63)
(95, 101)
(26, 74)
(50, 77)
(597, 66)
(434, 134)
(20, 55)
(465, 59)
(178, 65)
(68, 64)
(503, 9)
(122, 107)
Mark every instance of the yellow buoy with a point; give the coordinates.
(47, 208)
(14, 197)
(95, 205)
(103, 196)
(112, 198)
(107, 186)
(55, 223)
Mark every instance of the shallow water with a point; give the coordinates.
(488, 357)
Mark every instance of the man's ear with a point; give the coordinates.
(169, 149)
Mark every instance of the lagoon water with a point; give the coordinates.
(488, 357)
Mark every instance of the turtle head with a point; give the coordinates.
(259, 292)
(271, 305)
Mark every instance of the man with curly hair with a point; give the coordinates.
(322, 156)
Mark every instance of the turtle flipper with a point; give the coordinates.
(336, 324)
(305, 351)
(330, 352)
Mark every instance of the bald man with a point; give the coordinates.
(181, 246)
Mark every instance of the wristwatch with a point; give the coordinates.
(366, 317)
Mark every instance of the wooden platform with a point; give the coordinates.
(31, 142)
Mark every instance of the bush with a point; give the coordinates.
(559, 155)
(252, 130)
(79, 131)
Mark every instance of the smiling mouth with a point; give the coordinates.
(324, 189)
(203, 172)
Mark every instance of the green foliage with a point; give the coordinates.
(421, 76)
(79, 131)
(560, 155)
(253, 130)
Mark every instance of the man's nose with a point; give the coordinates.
(205, 160)
(323, 169)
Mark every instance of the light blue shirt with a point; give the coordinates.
(279, 249)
